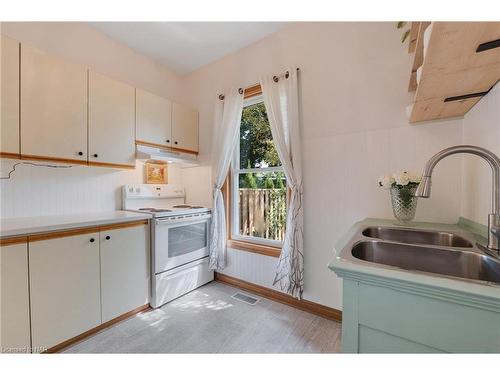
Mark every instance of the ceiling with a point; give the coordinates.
(187, 46)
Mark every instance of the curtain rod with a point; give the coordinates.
(275, 79)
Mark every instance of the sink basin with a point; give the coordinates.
(464, 264)
(413, 236)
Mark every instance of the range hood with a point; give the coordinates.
(185, 159)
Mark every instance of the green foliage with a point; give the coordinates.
(256, 145)
(249, 180)
(268, 182)
(280, 178)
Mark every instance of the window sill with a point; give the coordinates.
(252, 247)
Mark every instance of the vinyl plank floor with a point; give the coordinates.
(208, 320)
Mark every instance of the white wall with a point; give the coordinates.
(46, 191)
(353, 92)
(481, 127)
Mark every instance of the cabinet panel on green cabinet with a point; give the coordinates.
(65, 288)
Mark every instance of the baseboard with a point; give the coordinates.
(311, 307)
(95, 330)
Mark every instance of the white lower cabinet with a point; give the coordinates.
(70, 282)
(65, 287)
(15, 315)
(124, 270)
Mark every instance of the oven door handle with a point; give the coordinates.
(190, 220)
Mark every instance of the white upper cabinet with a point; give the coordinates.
(64, 288)
(124, 270)
(111, 122)
(184, 128)
(53, 107)
(154, 118)
(9, 137)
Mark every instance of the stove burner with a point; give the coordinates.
(154, 209)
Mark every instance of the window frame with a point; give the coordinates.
(235, 240)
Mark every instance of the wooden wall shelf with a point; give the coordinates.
(452, 67)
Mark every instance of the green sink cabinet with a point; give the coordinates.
(397, 311)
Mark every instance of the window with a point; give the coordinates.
(258, 185)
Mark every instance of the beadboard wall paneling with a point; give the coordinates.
(481, 128)
(251, 267)
(40, 191)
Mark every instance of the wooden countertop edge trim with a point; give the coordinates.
(255, 248)
(70, 232)
(13, 240)
(168, 148)
(123, 225)
(63, 233)
(304, 305)
(95, 330)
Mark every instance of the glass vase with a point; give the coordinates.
(404, 203)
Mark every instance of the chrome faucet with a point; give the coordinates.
(424, 188)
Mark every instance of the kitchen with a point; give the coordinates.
(123, 202)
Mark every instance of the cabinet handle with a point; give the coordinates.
(108, 237)
(176, 142)
(168, 140)
(95, 155)
(80, 153)
(92, 240)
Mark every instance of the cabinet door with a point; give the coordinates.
(111, 121)
(184, 127)
(65, 287)
(125, 276)
(9, 107)
(154, 118)
(15, 299)
(124, 270)
(53, 107)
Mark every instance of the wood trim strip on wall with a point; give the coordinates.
(50, 158)
(94, 330)
(304, 305)
(123, 225)
(10, 155)
(13, 240)
(110, 165)
(167, 148)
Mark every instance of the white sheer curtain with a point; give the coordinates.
(227, 122)
(282, 106)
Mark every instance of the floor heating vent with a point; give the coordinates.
(245, 298)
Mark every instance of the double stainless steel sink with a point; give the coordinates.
(438, 252)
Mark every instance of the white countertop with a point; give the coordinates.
(40, 224)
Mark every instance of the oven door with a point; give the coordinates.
(178, 241)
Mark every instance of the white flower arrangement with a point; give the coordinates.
(400, 179)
